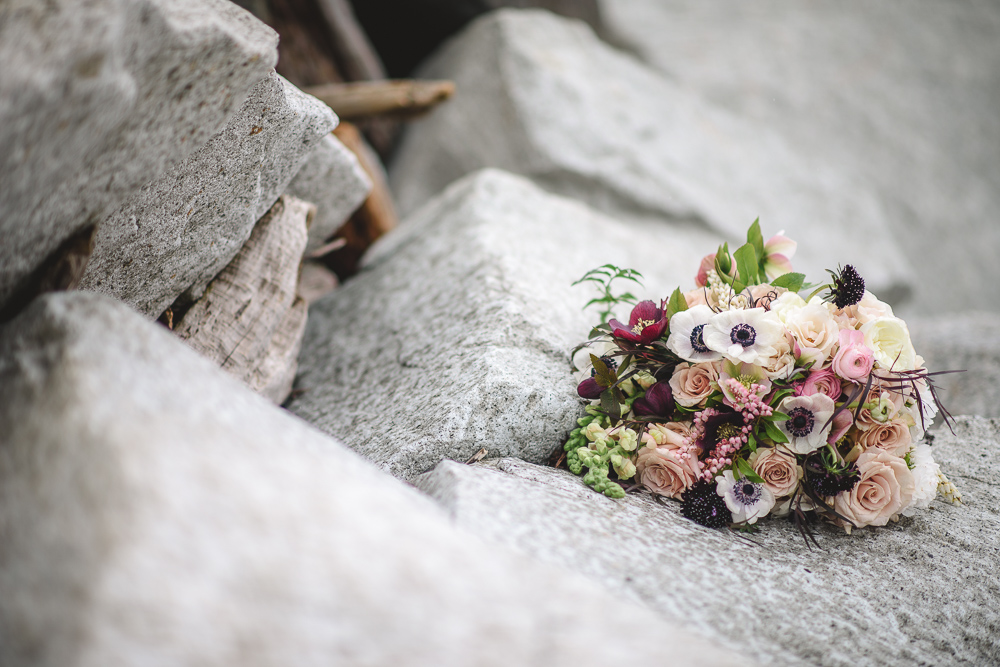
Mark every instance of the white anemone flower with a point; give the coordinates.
(807, 426)
(686, 338)
(750, 335)
(747, 500)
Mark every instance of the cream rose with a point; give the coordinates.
(778, 468)
(664, 472)
(885, 487)
(815, 330)
(893, 437)
(692, 384)
(889, 340)
(864, 311)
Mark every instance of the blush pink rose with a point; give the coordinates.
(820, 382)
(854, 359)
(707, 264)
(692, 384)
(671, 435)
(695, 297)
(664, 472)
(884, 489)
(893, 437)
(778, 468)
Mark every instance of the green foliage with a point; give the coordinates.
(793, 282)
(676, 304)
(603, 277)
(747, 267)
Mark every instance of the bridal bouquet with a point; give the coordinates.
(742, 399)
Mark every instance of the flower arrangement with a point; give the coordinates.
(743, 399)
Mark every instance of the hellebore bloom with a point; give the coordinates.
(589, 389)
(646, 323)
(658, 402)
(778, 253)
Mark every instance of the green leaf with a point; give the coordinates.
(723, 262)
(676, 304)
(610, 404)
(604, 376)
(779, 416)
(752, 443)
(747, 264)
(747, 471)
(755, 238)
(774, 433)
(791, 281)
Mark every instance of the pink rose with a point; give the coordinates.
(664, 472)
(854, 359)
(695, 297)
(707, 264)
(893, 437)
(692, 384)
(820, 382)
(670, 435)
(883, 490)
(778, 468)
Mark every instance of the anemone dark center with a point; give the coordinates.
(743, 334)
(747, 493)
(697, 342)
(800, 422)
(748, 489)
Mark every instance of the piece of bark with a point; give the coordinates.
(375, 217)
(61, 270)
(250, 320)
(305, 53)
(315, 281)
(355, 55)
(404, 98)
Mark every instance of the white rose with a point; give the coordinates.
(815, 329)
(889, 339)
(786, 304)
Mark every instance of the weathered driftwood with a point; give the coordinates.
(250, 319)
(355, 55)
(404, 98)
(375, 217)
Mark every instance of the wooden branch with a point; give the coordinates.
(356, 56)
(405, 98)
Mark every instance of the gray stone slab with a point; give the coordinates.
(456, 334)
(99, 98)
(902, 94)
(920, 592)
(156, 512)
(175, 235)
(332, 178)
(542, 96)
(969, 342)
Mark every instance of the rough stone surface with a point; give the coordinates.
(332, 179)
(543, 96)
(250, 320)
(175, 235)
(156, 512)
(902, 94)
(99, 98)
(969, 342)
(456, 334)
(920, 592)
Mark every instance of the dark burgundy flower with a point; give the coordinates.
(589, 389)
(658, 402)
(721, 426)
(646, 323)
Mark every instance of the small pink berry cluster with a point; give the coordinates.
(751, 406)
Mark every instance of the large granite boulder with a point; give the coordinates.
(967, 342)
(99, 98)
(920, 592)
(542, 96)
(179, 231)
(902, 94)
(156, 512)
(456, 334)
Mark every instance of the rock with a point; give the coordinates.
(178, 233)
(456, 334)
(920, 592)
(155, 511)
(968, 342)
(99, 98)
(332, 179)
(250, 320)
(542, 96)
(901, 94)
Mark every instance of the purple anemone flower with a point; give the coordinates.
(658, 402)
(646, 323)
(589, 389)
